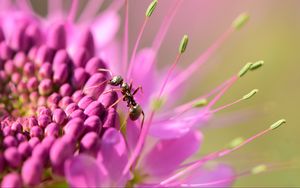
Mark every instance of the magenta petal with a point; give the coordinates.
(178, 126)
(167, 155)
(105, 28)
(218, 176)
(84, 171)
(114, 156)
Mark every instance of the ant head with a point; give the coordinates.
(116, 80)
(135, 112)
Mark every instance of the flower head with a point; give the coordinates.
(64, 114)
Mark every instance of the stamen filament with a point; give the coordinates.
(215, 155)
(131, 64)
(125, 38)
(54, 6)
(191, 69)
(73, 11)
(165, 25)
(90, 9)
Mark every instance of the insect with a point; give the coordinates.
(135, 110)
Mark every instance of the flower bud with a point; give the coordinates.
(94, 108)
(59, 116)
(12, 179)
(85, 101)
(79, 78)
(90, 143)
(66, 90)
(32, 171)
(57, 36)
(12, 157)
(52, 130)
(93, 123)
(93, 65)
(90, 86)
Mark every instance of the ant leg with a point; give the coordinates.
(117, 101)
(111, 90)
(137, 89)
(97, 85)
(143, 119)
(106, 70)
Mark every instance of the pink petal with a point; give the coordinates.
(114, 156)
(105, 28)
(84, 171)
(218, 176)
(166, 156)
(143, 68)
(178, 126)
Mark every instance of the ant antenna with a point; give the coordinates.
(106, 70)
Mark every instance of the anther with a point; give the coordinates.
(256, 65)
(200, 103)
(240, 21)
(245, 69)
(277, 124)
(235, 142)
(183, 44)
(250, 94)
(258, 169)
(151, 8)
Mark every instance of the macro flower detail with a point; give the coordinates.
(66, 117)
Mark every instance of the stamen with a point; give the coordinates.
(240, 21)
(218, 154)
(259, 169)
(165, 25)
(73, 10)
(251, 94)
(144, 132)
(90, 9)
(200, 103)
(125, 38)
(181, 50)
(148, 13)
(245, 97)
(54, 6)
(257, 65)
(235, 142)
(191, 69)
(245, 69)
(151, 8)
(277, 124)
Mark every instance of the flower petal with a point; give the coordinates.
(114, 156)
(105, 28)
(167, 155)
(218, 176)
(178, 126)
(84, 171)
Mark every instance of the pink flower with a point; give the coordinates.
(63, 109)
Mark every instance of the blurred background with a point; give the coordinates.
(272, 35)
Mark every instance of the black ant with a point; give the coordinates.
(135, 110)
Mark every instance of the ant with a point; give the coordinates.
(135, 110)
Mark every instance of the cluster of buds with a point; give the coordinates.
(49, 109)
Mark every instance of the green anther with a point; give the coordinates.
(277, 124)
(240, 21)
(183, 44)
(151, 8)
(157, 104)
(256, 65)
(200, 103)
(249, 95)
(235, 142)
(245, 69)
(259, 169)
